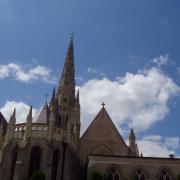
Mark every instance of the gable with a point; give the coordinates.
(101, 149)
(102, 131)
(44, 115)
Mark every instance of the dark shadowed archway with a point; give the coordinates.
(14, 155)
(35, 160)
(55, 164)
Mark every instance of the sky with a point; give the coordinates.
(126, 55)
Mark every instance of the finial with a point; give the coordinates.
(77, 98)
(132, 135)
(14, 113)
(103, 104)
(54, 91)
(52, 102)
(30, 111)
(71, 39)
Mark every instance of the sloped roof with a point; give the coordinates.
(102, 122)
(102, 131)
(43, 116)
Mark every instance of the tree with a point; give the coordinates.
(38, 175)
(178, 177)
(96, 176)
(134, 178)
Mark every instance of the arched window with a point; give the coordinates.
(14, 155)
(35, 160)
(55, 164)
(113, 174)
(165, 175)
(139, 175)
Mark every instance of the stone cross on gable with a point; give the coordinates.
(103, 104)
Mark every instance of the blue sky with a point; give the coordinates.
(118, 44)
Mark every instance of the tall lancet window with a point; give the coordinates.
(165, 175)
(139, 175)
(113, 174)
(14, 155)
(55, 164)
(35, 160)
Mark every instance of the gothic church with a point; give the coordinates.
(51, 143)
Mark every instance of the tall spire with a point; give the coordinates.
(66, 89)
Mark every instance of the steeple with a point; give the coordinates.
(132, 135)
(132, 144)
(53, 100)
(66, 89)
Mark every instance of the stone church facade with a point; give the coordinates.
(51, 143)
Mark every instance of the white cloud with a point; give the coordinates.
(91, 70)
(22, 110)
(139, 100)
(172, 142)
(79, 78)
(162, 60)
(162, 146)
(25, 73)
(4, 72)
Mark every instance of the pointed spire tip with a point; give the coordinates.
(14, 113)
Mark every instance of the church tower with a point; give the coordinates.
(65, 102)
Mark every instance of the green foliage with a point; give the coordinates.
(38, 175)
(96, 176)
(178, 177)
(134, 178)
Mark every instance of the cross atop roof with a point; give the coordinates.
(103, 104)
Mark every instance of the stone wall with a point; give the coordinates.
(127, 166)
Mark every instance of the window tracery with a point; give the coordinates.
(140, 175)
(165, 175)
(113, 175)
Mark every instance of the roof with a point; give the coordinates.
(43, 116)
(134, 157)
(102, 137)
(103, 120)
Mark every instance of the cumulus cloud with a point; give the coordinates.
(162, 60)
(22, 110)
(26, 73)
(163, 145)
(91, 70)
(139, 100)
(79, 78)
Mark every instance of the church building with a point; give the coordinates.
(51, 142)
